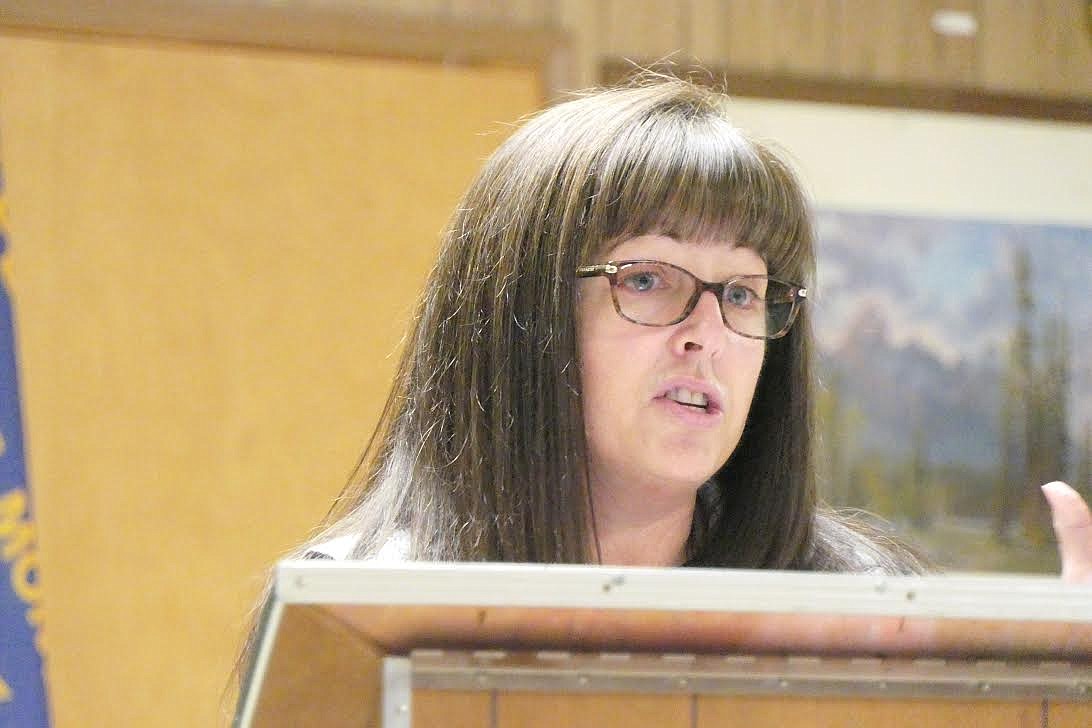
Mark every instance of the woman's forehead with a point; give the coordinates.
(722, 255)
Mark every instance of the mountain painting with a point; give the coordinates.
(955, 363)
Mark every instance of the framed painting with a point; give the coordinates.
(952, 319)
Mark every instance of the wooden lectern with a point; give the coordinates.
(512, 646)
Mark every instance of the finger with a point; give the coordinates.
(1073, 527)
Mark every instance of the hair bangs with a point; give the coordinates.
(692, 175)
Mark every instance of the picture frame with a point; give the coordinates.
(951, 319)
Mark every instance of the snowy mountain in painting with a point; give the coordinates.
(914, 319)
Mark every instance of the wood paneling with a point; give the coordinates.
(516, 12)
(583, 21)
(452, 709)
(708, 34)
(884, 95)
(1066, 53)
(643, 29)
(1009, 46)
(806, 36)
(215, 251)
(868, 40)
(1069, 715)
(749, 26)
(782, 36)
(927, 56)
(530, 710)
(319, 673)
(418, 8)
(549, 710)
(419, 32)
(1036, 48)
(775, 712)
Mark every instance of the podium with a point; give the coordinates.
(507, 645)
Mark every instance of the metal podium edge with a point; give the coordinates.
(974, 596)
(252, 685)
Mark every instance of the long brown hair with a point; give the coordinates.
(480, 451)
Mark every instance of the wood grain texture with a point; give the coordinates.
(1069, 715)
(480, 33)
(583, 21)
(320, 673)
(747, 712)
(549, 710)
(452, 709)
(708, 31)
(883, 95)
(1041, 48)
(1037, 48)
(1066, 45)
(751, 24)
(420, 8)
(400, 628)
(644, 30)
(805, 35)
(1009, 46)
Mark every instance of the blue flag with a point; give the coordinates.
(22, 683)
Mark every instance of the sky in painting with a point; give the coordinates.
(934, 298)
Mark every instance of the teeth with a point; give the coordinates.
(685, 396)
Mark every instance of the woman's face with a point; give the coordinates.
(637, 380)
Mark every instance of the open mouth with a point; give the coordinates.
(689, 398)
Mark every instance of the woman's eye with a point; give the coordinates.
(640, 282)
(740, 296)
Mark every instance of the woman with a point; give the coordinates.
(611, 362)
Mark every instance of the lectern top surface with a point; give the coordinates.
(588, 608)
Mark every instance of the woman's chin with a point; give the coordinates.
(680, 481)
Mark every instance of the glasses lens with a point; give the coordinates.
(758, 306)
(652, 293)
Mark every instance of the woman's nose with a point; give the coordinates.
(705, 324)
(708, 310)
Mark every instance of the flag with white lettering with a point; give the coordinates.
(22, 683)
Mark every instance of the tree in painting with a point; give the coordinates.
(952, 381)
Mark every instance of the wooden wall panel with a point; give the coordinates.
(1009, 46)
(1035, 47)
(533, 11)
(1040, 48)
(418, 8)
(214, 252)
(1065, 48)
(1026, 47)
(869, 40)
(583, 21)
(750, 26)
(709, 22)
(806, 33)
(786, 36)
(519, 12)
(644, 30)
(928, 57)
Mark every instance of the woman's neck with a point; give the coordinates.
(635, 527)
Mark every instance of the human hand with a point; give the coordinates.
(1073, 527)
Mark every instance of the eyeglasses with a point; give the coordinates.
(653, 293)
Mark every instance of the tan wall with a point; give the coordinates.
(205, 333)
(214, 252)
